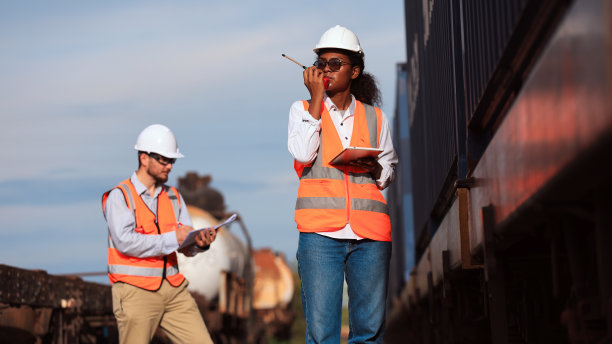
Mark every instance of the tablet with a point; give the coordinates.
(354, 153)
(190, 239)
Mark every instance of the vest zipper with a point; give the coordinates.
(348, 199)
(165, 257)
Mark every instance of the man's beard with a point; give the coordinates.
(160, 179)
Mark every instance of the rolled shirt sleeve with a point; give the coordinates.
(303, 142)
(388, 158)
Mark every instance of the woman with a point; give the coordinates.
(345, 232)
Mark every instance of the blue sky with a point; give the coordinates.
(80, 79)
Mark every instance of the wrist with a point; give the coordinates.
(377, 171)
(315, 108)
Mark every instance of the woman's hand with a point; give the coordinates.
(313, 79)
(369, 164)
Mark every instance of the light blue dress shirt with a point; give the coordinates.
(122, 224)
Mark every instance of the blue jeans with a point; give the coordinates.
(323, 264)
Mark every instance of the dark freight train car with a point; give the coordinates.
(399, 194)
(510, 125)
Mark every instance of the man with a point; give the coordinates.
(147, 221)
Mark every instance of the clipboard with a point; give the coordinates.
(190, 239)
(353, 153)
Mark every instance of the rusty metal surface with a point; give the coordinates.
(451, 239)
(466, 61)
(417, 284)
(468, 260)
(30, 321)
(447, 238)
(561, 112)
(536, 206)
(38, 307)
(273, 284)
(37, 288)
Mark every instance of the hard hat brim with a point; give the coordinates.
(317, 49)
(176, 155)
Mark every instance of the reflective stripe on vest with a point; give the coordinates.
(322, 203)
(174, 200)
(140, 271)
(147, 272)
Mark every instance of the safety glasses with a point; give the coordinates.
(162, 159)
(334, 64)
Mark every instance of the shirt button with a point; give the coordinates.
(346, 138)
(341, 123)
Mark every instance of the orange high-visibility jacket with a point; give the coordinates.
(147, 273)
(331, 196)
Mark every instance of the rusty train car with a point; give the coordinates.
(244, 294)
(36, 307)
(505, 115)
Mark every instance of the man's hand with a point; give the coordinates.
(181, 233)
(203, 240)
(205, 237)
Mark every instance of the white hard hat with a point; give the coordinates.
(339, 37)
(157, 138)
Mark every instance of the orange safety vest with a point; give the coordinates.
(330, 197)
(147, 273)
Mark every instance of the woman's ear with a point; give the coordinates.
(355, 72)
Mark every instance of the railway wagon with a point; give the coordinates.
(244, 294)
(36, 307)
(510, 122)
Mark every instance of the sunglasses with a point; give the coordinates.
(334, 64)
(162, 159)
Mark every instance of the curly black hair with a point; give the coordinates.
(364, 87)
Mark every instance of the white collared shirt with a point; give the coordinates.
(304, 140)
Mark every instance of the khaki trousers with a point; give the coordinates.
(139, 312)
